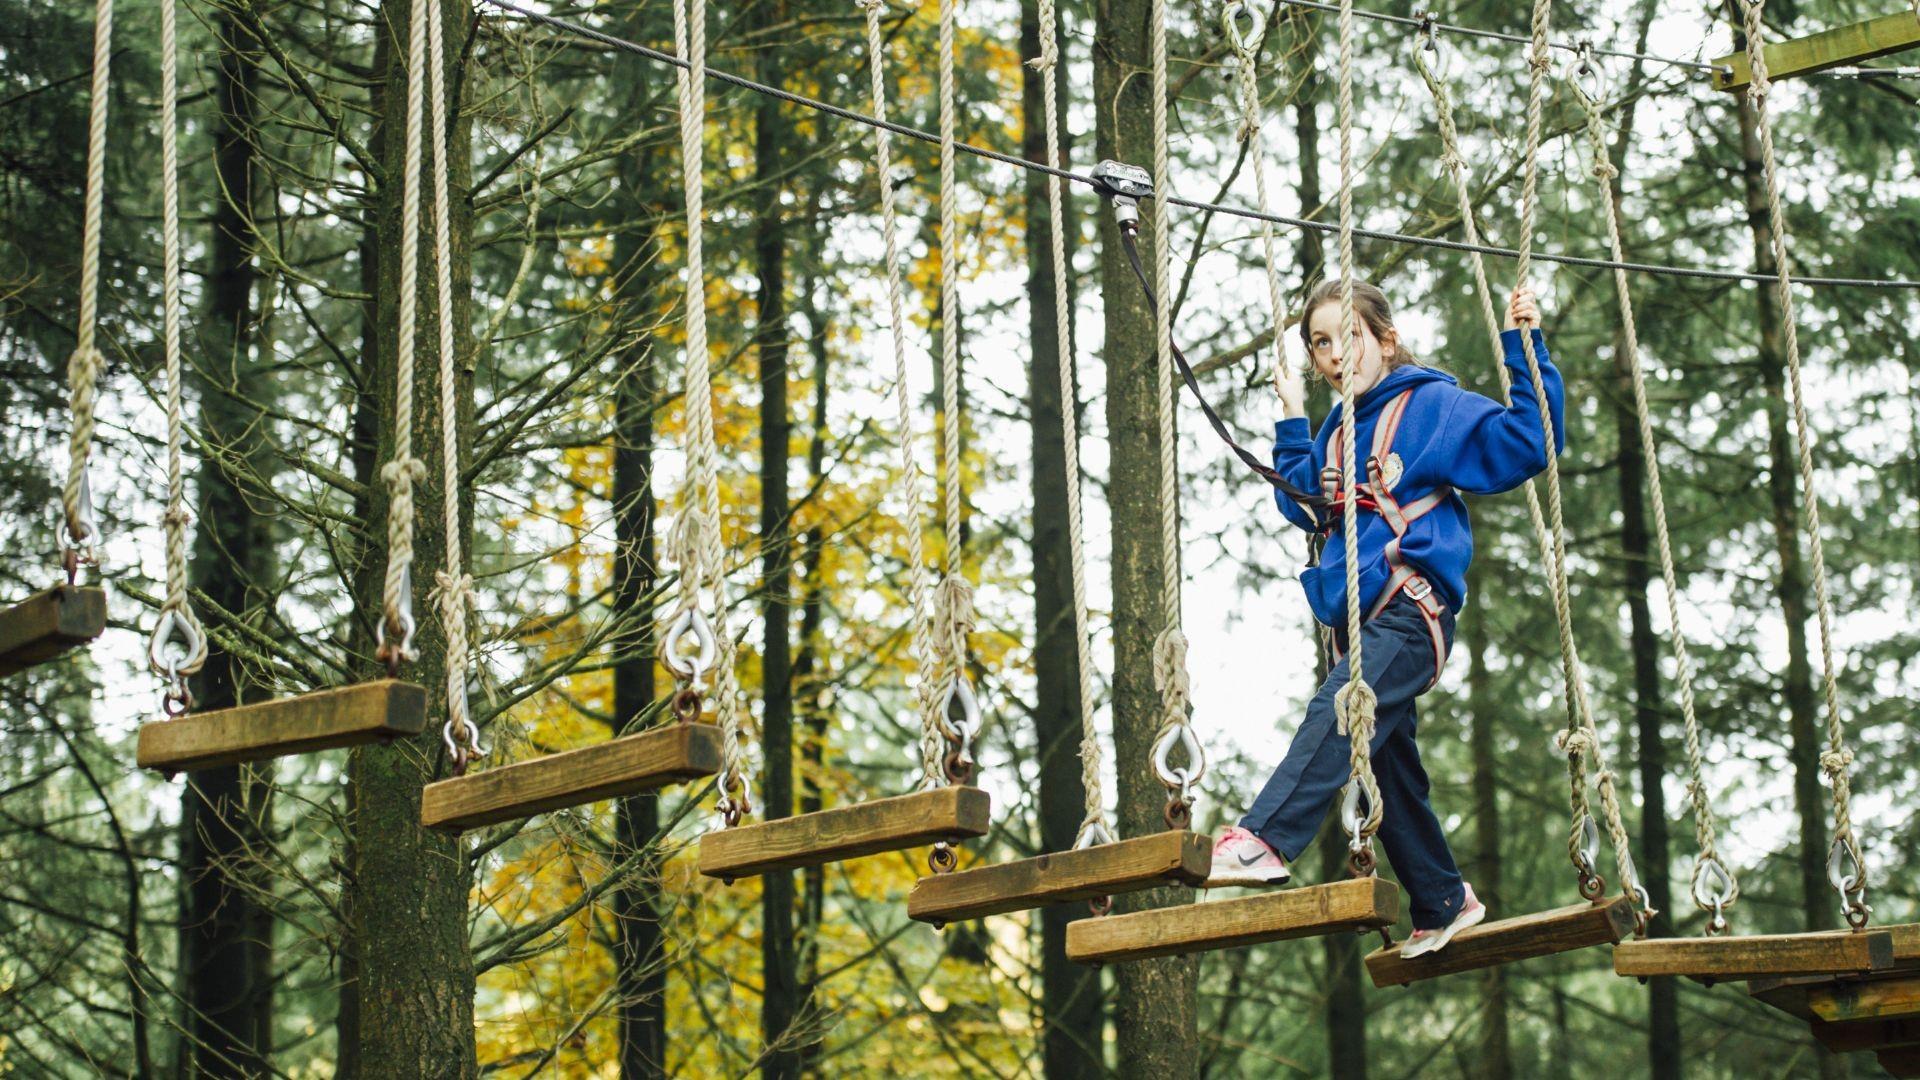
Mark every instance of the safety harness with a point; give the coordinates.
(1376, 494)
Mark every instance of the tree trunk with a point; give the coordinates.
(227, 935)
(1483, 706)
(1156, 1004)
(640, 957)
(1070, 1006)
(407, 886)
(779, 1002)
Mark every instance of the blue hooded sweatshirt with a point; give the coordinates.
(1449, 438)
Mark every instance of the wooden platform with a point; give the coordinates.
(1885, 995)
(846, 832)
(1507, 941)
(1840, 46)
(47, 624)
(1167, 858)
(1280, 915)
(1732, 957)
(323, 720)
(623, 766)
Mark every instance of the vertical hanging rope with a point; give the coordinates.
(1836, 760)
(1714, 886)
(1356, 704)
(695, 536)
(453, 586)
(80, 544)
(959, 712)
(178, 647)
(404, 470)
(1093, 826)
(1245, 44)
(919, 576)
(1170, 648)
(1581, 739)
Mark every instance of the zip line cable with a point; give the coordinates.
(588, 33)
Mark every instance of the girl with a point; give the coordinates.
(1421, 442)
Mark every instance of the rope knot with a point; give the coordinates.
(453, 592)
(1049, 56)
(1170, 664)
(1606, 170)
(1574, 743)
(403, 472)
(1835, 763)
(177, 517)
(1540, 61)
(1355, 702)
(1451, 160)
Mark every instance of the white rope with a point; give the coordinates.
(404, 470)
(695, 537)
(958, 712)
(1837, 758)
(1245, 47)
(80, 543)
(1356, 703)
(453, 586)
(1170, 648)
(919, 574)
(1093, 825)
(178, 647)
(1709, 872)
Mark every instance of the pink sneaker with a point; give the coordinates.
(1241, 858)
(1428, 941)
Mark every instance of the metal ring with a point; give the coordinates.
(189, 642)
(689, 669)
(1243, 42)
(1100, 906)
(942, 859)
(1186, 776)
(1179, 812)
(962, 700)
(1720, 894)
(687, 705)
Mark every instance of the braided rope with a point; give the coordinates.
(1707, 863)
(695, 536)
(1170, 673)
(1356, 703)
(453, 586)
(85, 365)
(953, 607)
(919, 575)
(1093, 825)
(1247, 77)
(404, 470)
(177, 624)
(1836, 760)
(1581, 738)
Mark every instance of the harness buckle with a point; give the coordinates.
(1418, 588)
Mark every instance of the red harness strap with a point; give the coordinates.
(1376, 495)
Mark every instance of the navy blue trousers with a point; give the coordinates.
(1397, 661)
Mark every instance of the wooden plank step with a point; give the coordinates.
(1507, 941)
(1865, 999)
(49, 623)
(1840, 46)
(323, 720)
(1735, 957)
(1167, 858)
(1280, 915)
(846, 832)
(1848, 1036)
(624, 766)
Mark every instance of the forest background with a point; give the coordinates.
(289, 919)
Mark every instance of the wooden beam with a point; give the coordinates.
(1869, 999)
(1848, 1036)
(1732, 957)
(624, 766)
(1900, 1062)
(49, 623)
(1167, 858)
(1507, 941)
(1313, 911)
(846, 832)
(1838, 47)
(345, 716)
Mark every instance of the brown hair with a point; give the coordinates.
(1369, 306)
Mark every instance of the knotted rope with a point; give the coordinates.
(80, 544)
(1245, 45)
(1835, 761)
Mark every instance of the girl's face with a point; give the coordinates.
(1323, 336)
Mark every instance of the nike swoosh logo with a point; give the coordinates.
(1245, 861)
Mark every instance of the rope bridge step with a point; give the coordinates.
(846, 832)
(1852, 44)
(1125, 866)
(382, 710)
(1879, 1012)
(1507, 941)
(50, 623)
(1313, 911)
(625, 766)
(1723, 959)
